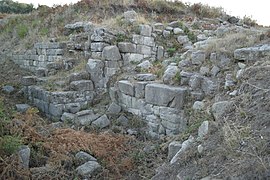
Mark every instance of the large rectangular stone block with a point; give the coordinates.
(164, 95)
(126, 87)
(127, 47)
(145, 50)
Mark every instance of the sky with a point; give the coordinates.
(258, 10)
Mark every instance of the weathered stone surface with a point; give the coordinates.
(24, 155)
(127, 47)
(95, 68)
(145, 77)
(173, 119)
(229, 81)
(82, 85)
(178, 31)
(85, 117)
(28, 80)
(68, 117)
(102, 122)
(219, 109)
(22, 107)
(145, 30)
(114, 109)
(145, 65)
(166, 33)
(163, 95)
(8, 89)
(111, 53)
(200, 149)
(143, 49)
(78, 26)
(208, 86)
(133, 58)
(84, 157)
(215, 70)
(183, 39)
(203, 130)
(204, 71)
(170, 74)
(173, 148)
(185, 146)
(195, 81)
(126, 87)
(160, 52)
(122, 120)
(78, 76)
(252, 53)
(56, 110)
(98, 46)
(130, 16)
(198, 105)
(198, 57)
(73, 107)
(88, 169)
(140, 89)
(185, 77)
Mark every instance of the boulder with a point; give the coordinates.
(68, 117)
(252, 53)
(84, 157)
(178, 31)
(203, 130)
(145, 77)
(145, 65)
(88, 169)
(111, 53)
(102, 122)
(114, 109)
(198, 57)
(22, 107)
(85, 117)
(73, 107)
(173, 148)
(98, 46)
(185, 146)
(24, 155)
(198, 105)
(219, 109)
(8, 89)
(130, 16)
(170, 75)
(78, 26)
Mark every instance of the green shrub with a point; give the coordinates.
(22, 31)
(171, 51)
(10, 144)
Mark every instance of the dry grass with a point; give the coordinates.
(231, 42)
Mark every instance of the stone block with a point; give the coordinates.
(198, 57)
(173, 148)
(114, 109)
(126, 87)
(145, 30)
(111, 53)
(98, 46)
(160, 52)
(145, 50)
(127, 47)
(86, 117)
(101, 122)
(164, 95)
(56, 110)
(145, 77)
(95, 68)
(28, 80)
(140, 89)
(88, 169)
(82, 85)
